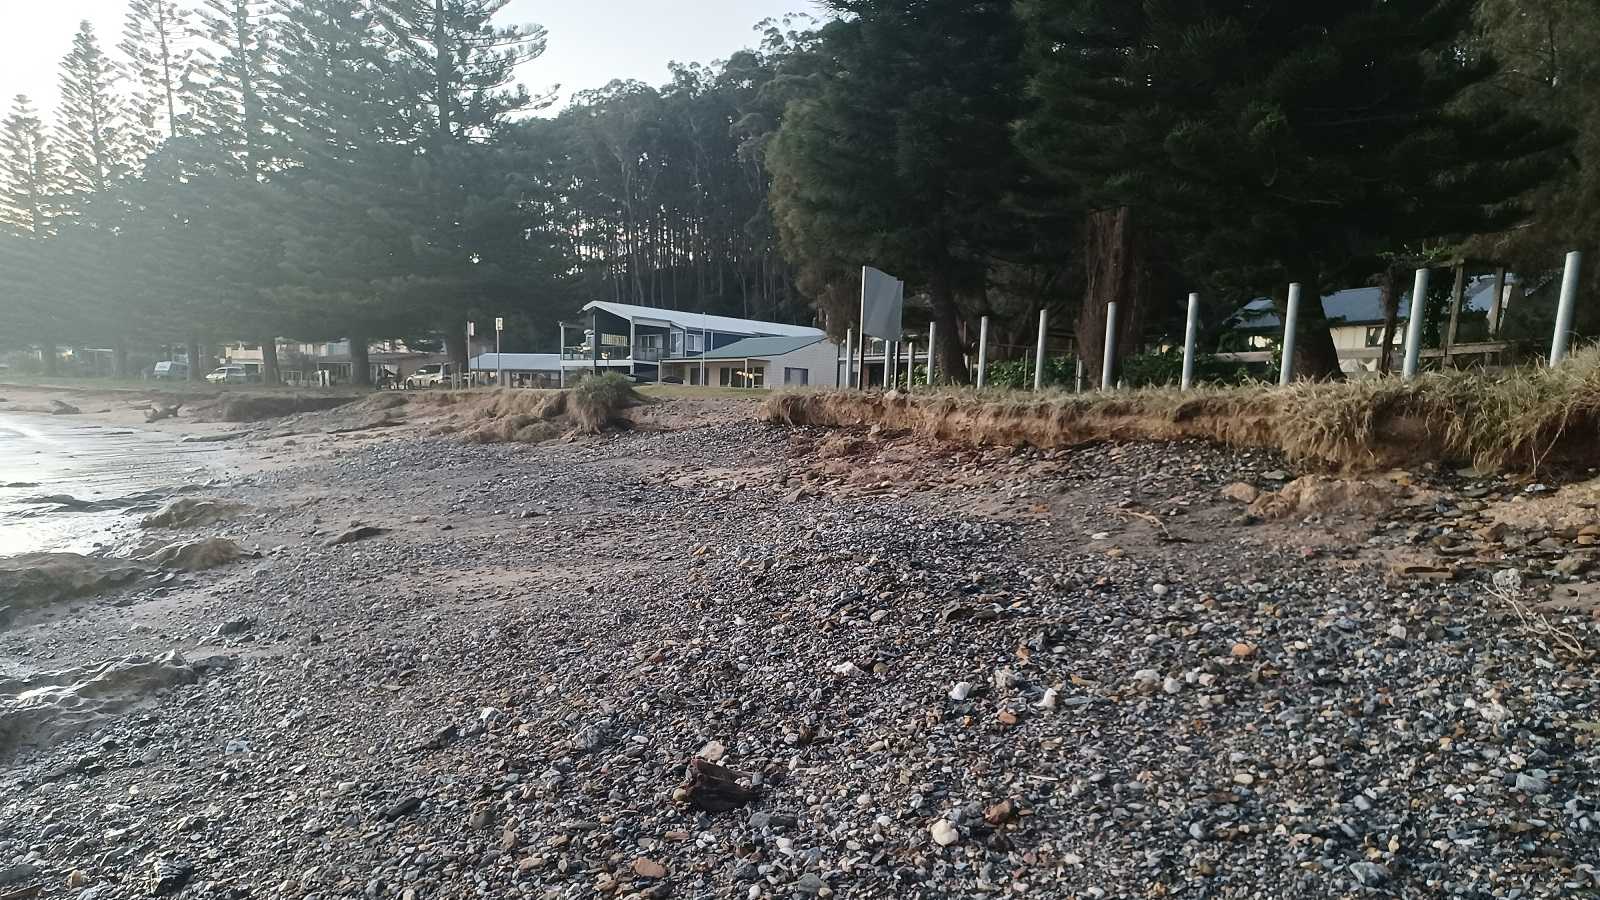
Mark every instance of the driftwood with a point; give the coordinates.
(713, 788)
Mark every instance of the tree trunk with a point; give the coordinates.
(47, 359)
(1117, 270)
(1315, 357)
(196, 367)
(952, 366)
(269, 362)
(1389, 298)
(455, 344)
(360, 365)
(119, 358)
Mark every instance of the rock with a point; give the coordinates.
(961, 690)
(234, 627)
(1325, 495)
(192, 823)
(649, 868)
(17, 873)
(39, 579)
(191, 512)
(169, 877)
(1241, 492)
(58, 408)
(44, 708)
(944, 834)
(405, 806)
(809, 884)
(1369, 874)
(1243, 651)
(196, 556)
(1000, 813)
(712, 788)
(359, 533)
(1509, 580)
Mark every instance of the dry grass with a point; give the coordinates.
(1522, 419)
(594, 405)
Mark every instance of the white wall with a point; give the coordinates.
(822, 359)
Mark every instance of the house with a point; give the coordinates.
(760, 362)
(330, 362)
(521, 369)
(1356, 320)
(621, 337)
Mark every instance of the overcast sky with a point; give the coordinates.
(591, 41)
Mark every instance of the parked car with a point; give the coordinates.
(428, 376)
(228, 375)
(167, 370)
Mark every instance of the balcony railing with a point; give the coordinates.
(614, 354)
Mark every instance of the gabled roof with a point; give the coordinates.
(519, 362)
(757, 348)
(693, 321)
(1359, 306)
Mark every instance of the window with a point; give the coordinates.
(1375, 335)
(726, 376)
(796, 376)
(736, 376)
(694, 375)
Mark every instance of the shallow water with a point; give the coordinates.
(124, 468)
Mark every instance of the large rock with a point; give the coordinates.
(43, 708)
(192, 512)
(39, 579)
(193, 556)
(1325, 495)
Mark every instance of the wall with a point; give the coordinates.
(821, 358)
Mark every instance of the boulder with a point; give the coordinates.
(46, 707)
(194, 556)
(39, 579)
(191, 512)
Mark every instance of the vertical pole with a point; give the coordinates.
(1038, 353)
(1077, 374)
(845, 364)
(1291, 324)
(499, 361)
(703, 350)
(594, 340)
(1564, 312)
(1457, 291)
(1190, 327)
(911, 365)
(1108, 360)
(983, 350)
(1414, 316)
(466, 371)
(862, 377)
(1497, 302)
(931, 354)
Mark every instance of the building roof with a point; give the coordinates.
(1359, 306)
(757, 348)
(518, 362)
(693, 321)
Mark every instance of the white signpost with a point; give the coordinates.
(499, 362)
(466, 370)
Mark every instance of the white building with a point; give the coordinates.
(760, 362)
(621, 337)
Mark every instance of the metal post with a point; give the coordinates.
(931, 353)
(561, 356)
(704, 349)
(861, 362)
(1077, 374)
(1562, 340)
(466, 370)
(844, 364)
(1038, 354)
(1414, 316)
(1108, 360)
(911, 365)
(1291, 322)
(983, 350)
(1190, 327)
(499, 361)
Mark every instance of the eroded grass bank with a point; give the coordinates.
(1523, 419)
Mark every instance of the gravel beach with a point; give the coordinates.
(739, 661)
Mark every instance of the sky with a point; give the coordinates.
(591, 41)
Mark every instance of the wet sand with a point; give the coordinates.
(44, 456)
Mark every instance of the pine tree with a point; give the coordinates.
(29, 182)
(92, 126)
(905, 159)
(229, 110)
(1277, 142)
(158, 42)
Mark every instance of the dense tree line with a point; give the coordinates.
(367, 169)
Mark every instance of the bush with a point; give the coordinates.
(597, 401)
(1166, 368)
